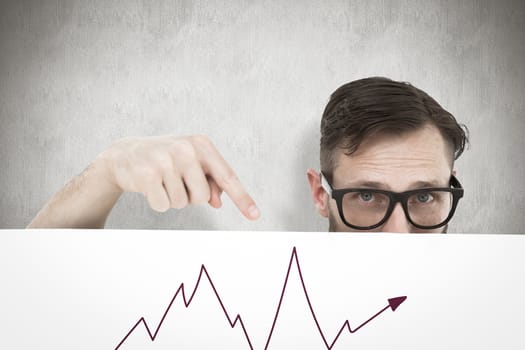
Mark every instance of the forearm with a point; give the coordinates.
(85, 202)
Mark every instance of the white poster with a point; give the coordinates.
(121, 290)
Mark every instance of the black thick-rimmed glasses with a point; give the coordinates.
(367, 208)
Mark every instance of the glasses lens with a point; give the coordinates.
(429, 208)
(365, 208)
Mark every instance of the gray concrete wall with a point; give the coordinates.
(255, 77)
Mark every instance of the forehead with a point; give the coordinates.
(396, 161)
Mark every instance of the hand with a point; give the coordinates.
(173, 172)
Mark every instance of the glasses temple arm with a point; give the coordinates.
(326, 186)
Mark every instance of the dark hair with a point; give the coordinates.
(378, 105)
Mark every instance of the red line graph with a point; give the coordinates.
(393, 304)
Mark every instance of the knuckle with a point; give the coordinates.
(179, 202)
(229, 179)
(178, 197)
(200, 196)
(183, 151)
(149, 173)
(201, 140)
(164, 161)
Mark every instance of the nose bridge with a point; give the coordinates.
(397, 222)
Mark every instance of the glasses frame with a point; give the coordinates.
(395, 197)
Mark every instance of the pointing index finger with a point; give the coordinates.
(225, 177)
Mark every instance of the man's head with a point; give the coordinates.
(380, 134)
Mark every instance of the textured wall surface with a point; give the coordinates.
(254, 76)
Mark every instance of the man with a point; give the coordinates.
(387, 160)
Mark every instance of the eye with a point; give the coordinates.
(424, 197)
(366, 196)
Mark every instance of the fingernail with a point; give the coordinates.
(253, 211)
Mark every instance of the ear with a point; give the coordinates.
(319, 195)
(454, 173)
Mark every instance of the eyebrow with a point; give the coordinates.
(382, 186)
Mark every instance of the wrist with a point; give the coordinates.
(103, 167)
